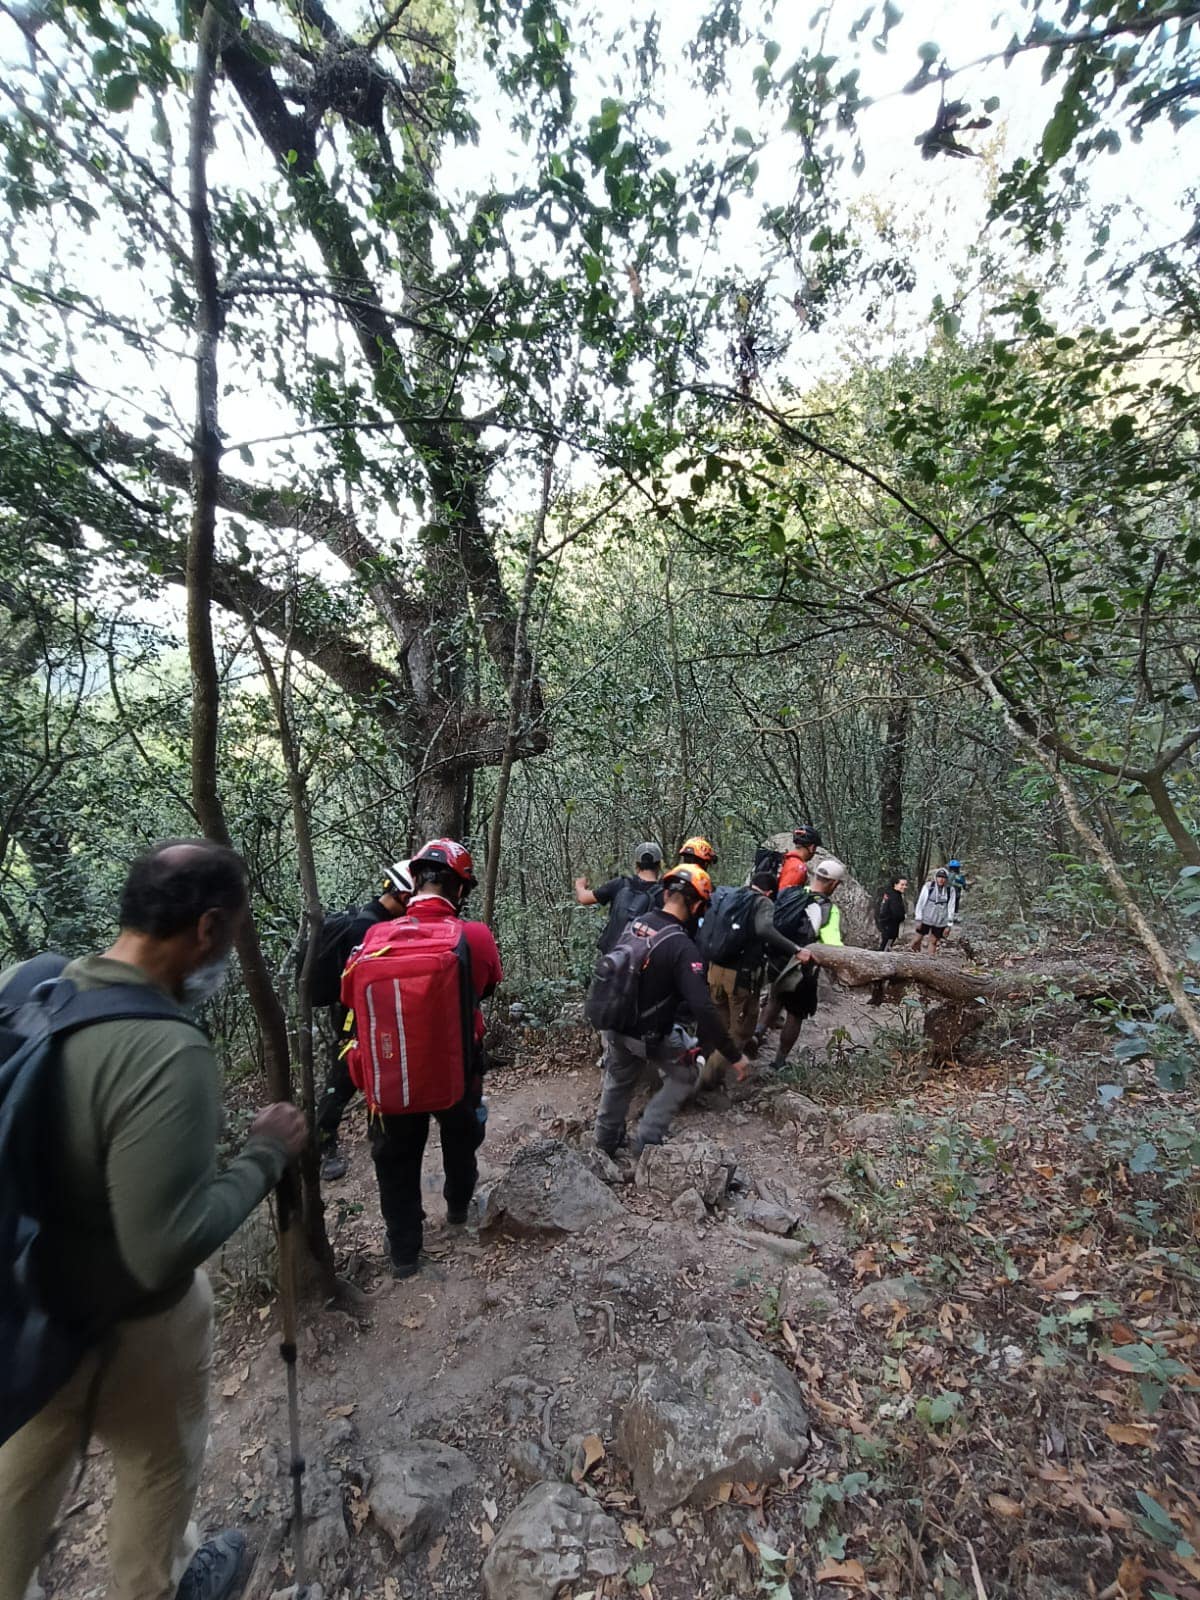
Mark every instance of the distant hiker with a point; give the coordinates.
(806, 916)
(625, 897)
(652, 974)
(806, 841)
(936, 906)
(414, 986)
(736, 937)
(132, 1206)
(340, 935)
(890, 911)
(958, 882)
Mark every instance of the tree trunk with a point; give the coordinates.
(891, 786)
(1155, 784)
(312, 1209)
(206, 471)
(1167, 970)
(522, 673)
(857, 968)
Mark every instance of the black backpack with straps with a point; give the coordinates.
(633, 899)
(727, 937)
(791, 915)
(38, 1009)
(612, 1003)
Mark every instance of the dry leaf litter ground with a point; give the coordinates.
(982, 1281)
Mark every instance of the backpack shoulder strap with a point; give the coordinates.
(70, 1008)
(28, 976)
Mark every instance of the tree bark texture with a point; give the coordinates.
(891, 785)
(206, 471)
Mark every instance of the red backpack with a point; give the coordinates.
(409, 987)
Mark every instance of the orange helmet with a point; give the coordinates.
(691, 878)
(699, 851)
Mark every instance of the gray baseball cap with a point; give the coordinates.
(649, 848)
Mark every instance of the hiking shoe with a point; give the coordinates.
(215, 1569)
(334, 1165)
(457, 1218)
(405, 1269)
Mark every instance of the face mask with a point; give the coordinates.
(205, 982)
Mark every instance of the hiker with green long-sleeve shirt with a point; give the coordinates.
(135, 1207)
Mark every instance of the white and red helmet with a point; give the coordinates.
(448, 853)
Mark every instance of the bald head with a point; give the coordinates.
(174, 885)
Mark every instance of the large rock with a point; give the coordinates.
(720, 1409)
(548, 1189)
(556, 1537)
(872, 1127)
(689, 1162)
(806, 1295)
(791, 1106)
(887, 1292)
(412, 1490)
(765, 1214)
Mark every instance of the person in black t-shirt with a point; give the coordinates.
(625, 897)
(671, 982)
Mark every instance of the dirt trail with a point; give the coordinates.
(508, 1348)
(899, 1299)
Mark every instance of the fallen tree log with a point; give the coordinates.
(857, 968)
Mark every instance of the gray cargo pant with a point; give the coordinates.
(626, 1060)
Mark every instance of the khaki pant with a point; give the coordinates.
(152, 1413)
(737, 1009)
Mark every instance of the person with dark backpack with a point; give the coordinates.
(341, 934)
(652, 974)
(626, 897)
(414, 987)
(807, 916)
(110, 1202)
(736, 936)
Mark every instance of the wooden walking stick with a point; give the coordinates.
(287, 1210)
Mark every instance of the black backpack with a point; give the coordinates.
(633, 899)
(791, 915)
(612, 1001)
(340, 936)
(727, 932)
(768, 859)
(38, 1008)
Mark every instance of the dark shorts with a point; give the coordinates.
(935, 933)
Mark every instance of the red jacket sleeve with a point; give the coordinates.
(486, 971)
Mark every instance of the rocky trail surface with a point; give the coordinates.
(800, 1350)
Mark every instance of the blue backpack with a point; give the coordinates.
(38, 1008)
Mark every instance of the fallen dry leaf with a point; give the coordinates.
(635, 1535)
(342, 1411)
(491, 1510)
(436, 1551)
(1139, 1434)
(1131, 1578)
(486, 1534)
(1001, 1504)
(234, 1382)
(590, 1451)
(851, 1573)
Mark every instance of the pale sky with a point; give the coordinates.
(943, 198)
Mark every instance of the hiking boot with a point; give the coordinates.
(405, 1269)
(456, 1218)
(334, 1165)
(215, 1569)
